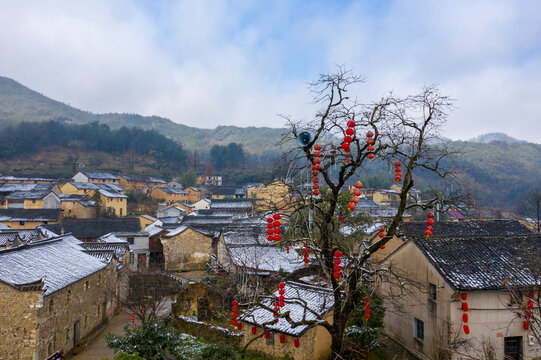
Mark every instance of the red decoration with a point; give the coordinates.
(345, 147)
(351, 206)
(466, 329)
(132, 317)
(277, 237)
(369, 134)
(348, 139)
(296, 342)
(367, 316)
(317, 153)
(316, 192)
(233, 322)
(464, 306)
(350, 131)
(526, 326)
(351, 124)
(354, 199)
(464, 296)
(254, 330)
(276, 216)
(370, 156)
(316, 167)
(465, 318)
(277, 230)
(269, 220)
(266, 335)
(357, 192)
(282, 338)
(430, 215)
(239, 326)
(530, 304)
(358, 185)
(430, 222)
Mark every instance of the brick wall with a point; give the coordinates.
(189, 250)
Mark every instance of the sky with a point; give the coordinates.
(206, 63)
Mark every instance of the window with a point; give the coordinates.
(86, 285)
(21, 222)
(433, 292)
(51, 306)
(99, 311)
(67, 334)
(130, 240)
(86, 321)
(68, 296)
(132, 258)
(419, 329)
(33, 201)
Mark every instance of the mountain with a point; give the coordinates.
(19, 103)
(496, 137)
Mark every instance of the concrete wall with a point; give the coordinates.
(490, 319)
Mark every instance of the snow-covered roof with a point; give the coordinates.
(112, 194)
(29, 214)
(111, 238)
(22, 178)
(83, 185)
(30, 194)
(9, 188)
(173, 191)
(206, 220)
(119, 249)
(99, 175)
(59, 261)
(245, 235)
(231, 204)
(266, 258)
(303, 302)
(501, 227)
(153, 229)
(109, 187)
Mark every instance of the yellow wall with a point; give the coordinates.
(26, 225)
(119, 205)
(217, 197)
(159, 194)
(33, 204)
(144, 222)
(68, 188)
(74, 209)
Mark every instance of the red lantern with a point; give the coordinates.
(382, 247)
(357, 192)
(315, 186)
(281, 298)
(316, 167)
(465, 318)
(314, 172)
(345, 147)
(464, 306)
(370, 141)
(370, 156)
(254, 330)
(270, 232)
(277, 237)
(235, 303)
(430, 215)
(338, 254)
(351, 206)
(367, 316)
(276, 223)
(277, 230)
(281, 285)
(317, 147)
(233, 322)
(306, 261)
(351, 124)
(370, 148)
(348, 139)
(270, 226)
(526, 325)
(270, 238)
(315, 180)
(430, 222)
(337, 261)
(318, 154)
(336, 275)
(281, 291)
(397, 179)
(276, 216)
(269, 220)
(358, 185)
(381, 235)
(428, 233)
(354, 199)
(381, 229)
(282, 304)
(296, 341)
(282, 338)
(316, 192)
(530, 304)
(239, 326)
(369, 134)
(430, 228)
(398, 170)
(316, 161)
(266, 335)
(466, 329)
(337, 268)
(350, 131)
(397, 164)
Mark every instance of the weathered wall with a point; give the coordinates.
(18, 322)
(189, 250)
(118, 205)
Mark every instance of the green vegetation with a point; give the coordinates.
(28, 138)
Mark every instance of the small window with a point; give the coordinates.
(433, 292)
(67, 334)
(86, 321)
(68, 296)
(132, 258)
(33, 201)
(99, 311)
(130, 240)
(86, 285)
(51, 306)
(419, 329)
(21, 222)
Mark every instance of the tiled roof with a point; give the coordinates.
(83, 185)
(30, 194)
(148, 179)
(231, 204)
(265, 258)
(225, 190)
(29, 214)
(118, 249)
(71, 197)
(173, 190)
(22, 178)
(221, 212)
(206, 220)
(109, 187)
(245, 235)
(60, 262)
(484, 262)
(99, 175)
(9, 188)
(95, 227)
(298, 298)
(112, 194)
(466, 228)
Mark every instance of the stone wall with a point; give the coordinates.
(18, 322)
(189, 250)
(85, 304)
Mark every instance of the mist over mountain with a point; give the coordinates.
(496, 136)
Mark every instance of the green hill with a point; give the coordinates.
(19, 103)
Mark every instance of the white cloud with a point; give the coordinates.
(206, 63)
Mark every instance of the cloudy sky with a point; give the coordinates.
(208, 62)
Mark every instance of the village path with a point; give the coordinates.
(97, 349)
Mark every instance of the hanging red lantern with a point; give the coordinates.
(276, 223)
(465, 318)
(269, 220)
(281, 291)
(315, 186)
(398, 170)
(370, 156)
(337, 268)
(530, 304)
(357, 192)
(358, 185)
(430, 228)
(430, 215)
(317, 147)
(466, 329)
(430, 222)
(369, 134)
(296, 341)
(270, 232)
(276, 216)
(317, 153)
(351, 206)
(282, 338)
(428, 233)
(235, 303)
(367, 316)
(348, 139)
(316, 161)
(381, 235)
(336, 275)
(315, 180)
(254, 330)
(266, 335)
(464, 306)
(239, 326)
(397, 179)
(281, 285)
(345, 147)
(316, 192)
(277, 230)
(337, 261)
(270, 226)
(370, 141)
(397, 164)
(270, 238)
(277, 237)
(354, 199)
(316, 167)
(351, 124)
(350, 131)
(370, 148)
(338, 254)
(526, 326)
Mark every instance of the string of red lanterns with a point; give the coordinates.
(348, 139)
(234, 312)
(366, 308)
(381, 235)
(370, 147)
(337, 261)
(528, 312)
(397, 172)
(465, 326)
(355, 198)
(306, 255)
(429, 223)
(281, 291)
(315, 169)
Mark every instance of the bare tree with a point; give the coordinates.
(404, 129)
(531, 206)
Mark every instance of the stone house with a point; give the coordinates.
(194, 194)
(77, 206)
(95, 177)
(439, 274)
(114, 202)
(33, 199)
(303, 342)
(203, 204)
(210, 180)
(29, 218)
(187, 248)
(19, 192)
(227, 192)
(53, 294)
(169, 194)
(140, 183)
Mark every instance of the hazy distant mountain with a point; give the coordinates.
(496, 136)
(19, 103)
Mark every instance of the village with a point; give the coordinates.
(75, 252)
